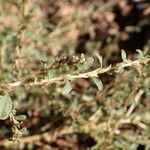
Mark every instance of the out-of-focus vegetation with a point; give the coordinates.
(66, 83)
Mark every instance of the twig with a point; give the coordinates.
(53, 136)
(136, 99)
(72, 77)
(47, 136)
(134, 90)
(19, 37)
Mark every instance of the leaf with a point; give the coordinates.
(98, 83)
(119, 69)
(100, 59)
(50, 74)
(89, 62)
(24, 131)
(123, 55)
(140, 53)
(67, 88)
(5, 106)
(86, 65)
(21, 117)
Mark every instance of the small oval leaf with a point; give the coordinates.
(98, 83)
(5, 106)
(140, 52)
(123, 55)
(119, 69)
(67, 88)
(86, 65)
(21, 117)
(100, 59)
(141, 55)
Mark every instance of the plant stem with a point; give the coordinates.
(71, 77)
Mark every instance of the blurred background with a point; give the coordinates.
(46, 31)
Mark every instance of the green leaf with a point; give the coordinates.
(24, 131)
(119, 69)
(86, 65)
(141, 55)
(123, 55)
(21, 117)
(98, 83)
(5, 106)
(67, 88)
(100, 59)
(50, 74)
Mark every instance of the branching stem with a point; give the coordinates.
(72, 77)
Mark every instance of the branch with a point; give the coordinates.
(34, 139)
(94, 73)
